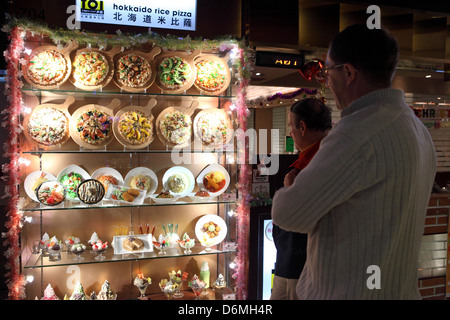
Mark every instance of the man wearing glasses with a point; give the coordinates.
(362, 199)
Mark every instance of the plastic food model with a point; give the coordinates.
(93, 126)
(214, 181)
(106, 293)
(47, 68)
(212, 128)
(107, 180)
(90, 68)
(177, 183)
(168, 288)
(48, 126)
(135, 127)
(50, 193)
(197, 286)
(211, 75)
(186, 243)
(91, 191)
(141, 182)
(133, 70)
(71, 181)
(174, 72)
(78, 293)
(142, 283)
(176, 127)
(49, 294)
(175, 277)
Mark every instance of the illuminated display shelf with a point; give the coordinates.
(39, 261)
(108, 204)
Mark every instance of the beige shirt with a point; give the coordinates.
(362, 200)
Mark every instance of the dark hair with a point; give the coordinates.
(314, 112)
(371, 51)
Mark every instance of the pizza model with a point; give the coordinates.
(174, 72)
(90, 68)
(93, 126)
(133, 71)
(176, 127)
(47, 68)
(212, 128)
(211, 75)
(135, 127)
(48, 126)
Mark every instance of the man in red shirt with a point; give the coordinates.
(310, 120)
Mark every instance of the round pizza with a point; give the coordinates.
(133, 71)
(176, 127)
(93, 126)
(48, 126)
(174, 72)
(211, 75)
(90, 68)
(47, 68)
(135, 127)
(212, 128)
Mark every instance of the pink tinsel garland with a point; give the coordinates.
(15, 281)
(243, 212)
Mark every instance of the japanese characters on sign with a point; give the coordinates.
(167, 14)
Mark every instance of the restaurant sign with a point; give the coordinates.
(167, 14)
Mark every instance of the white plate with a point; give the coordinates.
(145, 172)
(195, 198)
(137, 200)
(107, 171)
(163, 200)
(208, 169)
(202, 235)
(183, 171)
(31, 179)
(146, 238)
(76, 169)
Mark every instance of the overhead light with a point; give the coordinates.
(428, 76)
(258, 74)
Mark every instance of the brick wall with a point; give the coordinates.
(433, 254)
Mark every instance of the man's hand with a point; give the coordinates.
(289, 178)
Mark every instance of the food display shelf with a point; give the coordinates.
(39, 261)
(34, 206)
(119, 94)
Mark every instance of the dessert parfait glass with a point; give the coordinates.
(78, 257)
(197, 291)
(177, 281)
(99, 253)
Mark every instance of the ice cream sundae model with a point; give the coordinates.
(205, 273)
(168, 288)
(142, 283)
(186, 243)
(106, 293)
(219, 286)
(93, 240)
(49, 294)
(99, 247)
(171, 237)
(197, 286)
(54, 249)
(160, 244)
(78, 293)
(78, 249)
(70, 241)
(220, 282)
(93, 296)
(176, 277)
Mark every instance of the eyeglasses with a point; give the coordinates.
(323, 73)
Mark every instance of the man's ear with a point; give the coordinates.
(350, 73)
(302, 127)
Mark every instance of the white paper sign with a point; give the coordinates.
(167, 14)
